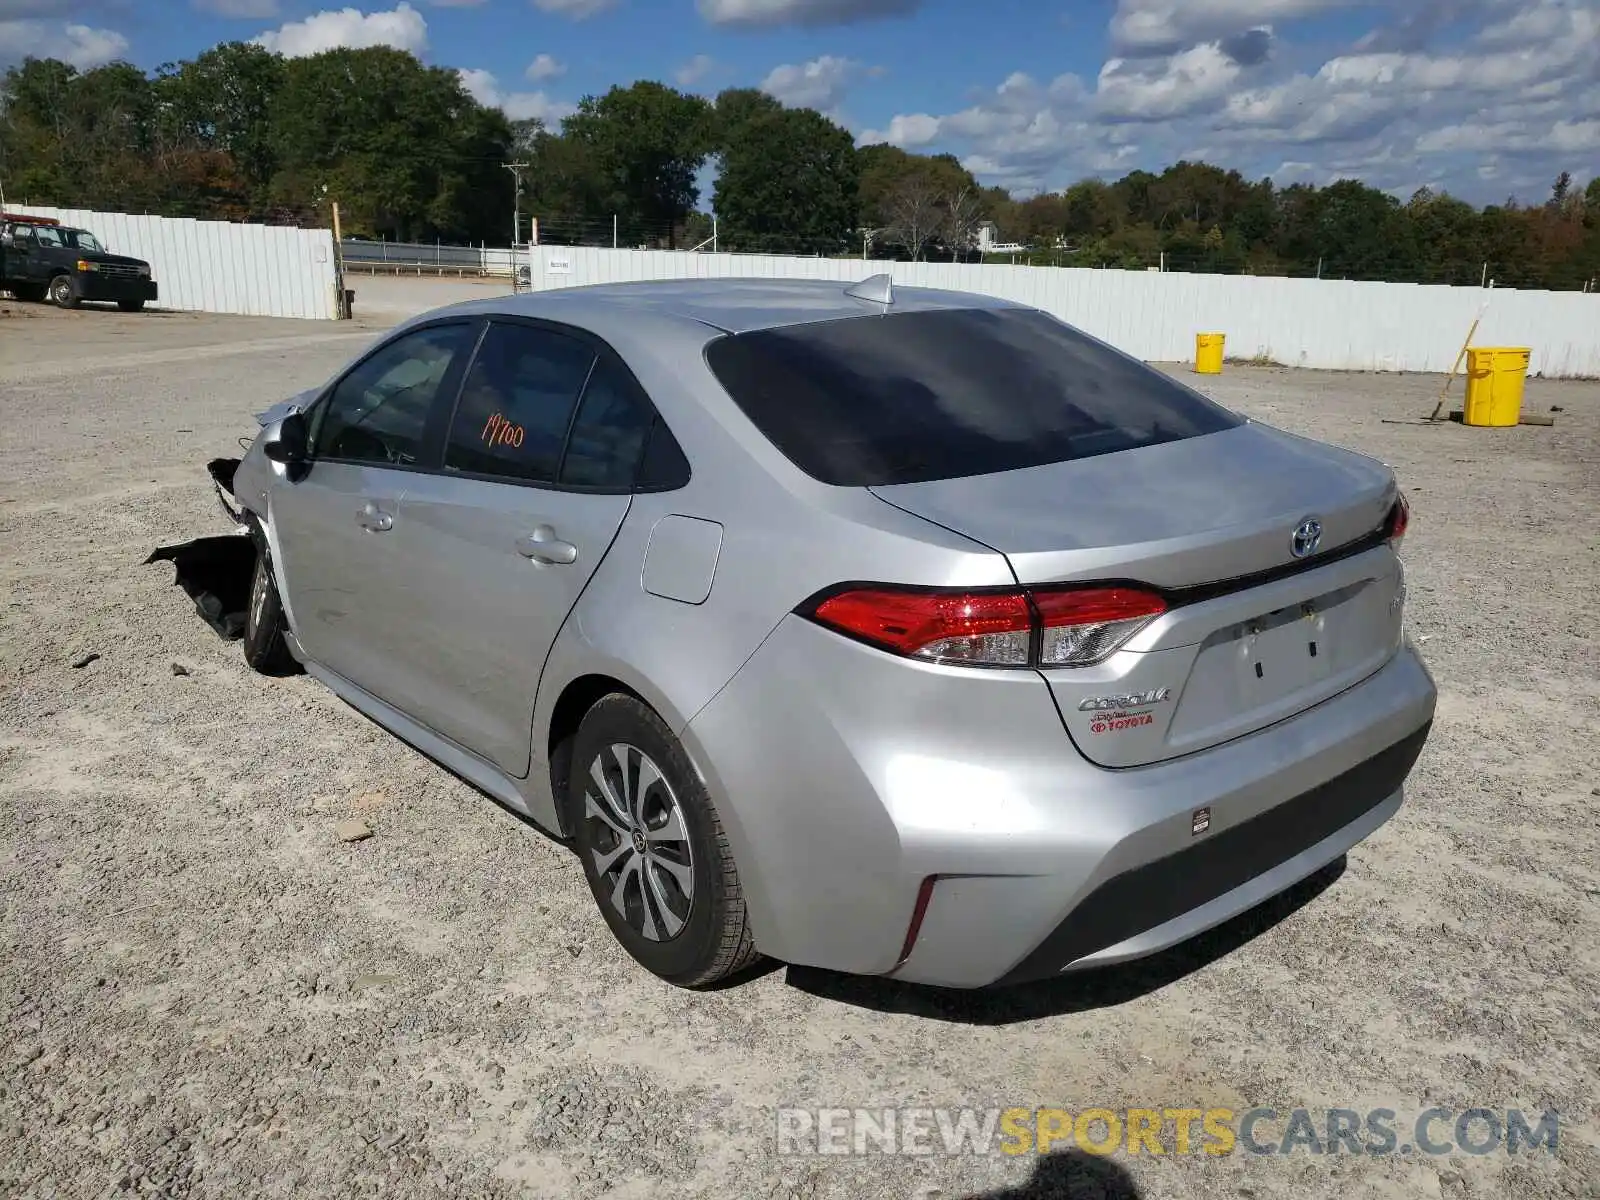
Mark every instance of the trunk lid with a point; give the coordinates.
(1253, 634)
(1174, 515)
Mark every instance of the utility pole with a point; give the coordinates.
(341, 307)
(516, 169)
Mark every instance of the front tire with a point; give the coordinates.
(131, 305)
(63, 292)
(28, 293)
(265, 648)
(653, 849)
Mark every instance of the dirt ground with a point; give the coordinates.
(206, 993)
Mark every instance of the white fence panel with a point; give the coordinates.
(219, 266)
(1326, 324)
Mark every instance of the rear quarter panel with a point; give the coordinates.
(784, 537)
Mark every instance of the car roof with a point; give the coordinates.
(725, 304)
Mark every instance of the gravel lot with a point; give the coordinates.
(206, 993)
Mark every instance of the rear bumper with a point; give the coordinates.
(96, 285)
(846, 778)
(1167, 900)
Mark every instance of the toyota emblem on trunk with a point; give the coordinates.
(1307, 537)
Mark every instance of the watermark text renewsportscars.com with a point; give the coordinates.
(1176, 1131)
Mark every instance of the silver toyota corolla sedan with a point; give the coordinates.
(895, 631)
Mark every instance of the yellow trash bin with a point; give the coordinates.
(1495, 378)
(1208, 353)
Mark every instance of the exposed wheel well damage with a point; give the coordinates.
(574, 703)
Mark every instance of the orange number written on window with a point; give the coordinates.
(500, 432)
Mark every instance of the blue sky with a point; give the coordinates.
(1483, 97)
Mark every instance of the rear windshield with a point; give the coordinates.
(913, 397)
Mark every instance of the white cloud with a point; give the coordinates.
(1481, 96)
(576, 10)
(1194, 81)
(456, 3)
(256, 9)
(770, 13)
(693, 71)
(818, 84)
(483, 87)
(1574, 137)
(907, 131)
(1165, 26)
(80, 45)
(543, 67)
(403, 28)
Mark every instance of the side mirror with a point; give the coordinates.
(288, 445)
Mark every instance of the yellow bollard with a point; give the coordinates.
(1495, 380)
(1208, 353)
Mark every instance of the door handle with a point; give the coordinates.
(374, 520)
(543, 546)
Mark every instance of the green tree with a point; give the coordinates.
(916, 202)
(223, 101)
(564, 182)
(1364, 234)
(401, 146)
(644, 145)
(737, 106)
(1093, 209)
(38, 129)
(789, 182)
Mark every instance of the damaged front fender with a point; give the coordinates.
(222, 471)
(215, 572)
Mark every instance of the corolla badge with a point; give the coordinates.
(1306, 538)
(1134, 700)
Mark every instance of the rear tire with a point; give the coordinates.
(64, 292)
(28, 293)
(131, 305)
(644, 835)
(266, 650)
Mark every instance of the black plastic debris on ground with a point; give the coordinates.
(216, 574)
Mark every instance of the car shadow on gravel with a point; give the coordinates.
(1082, 991)
(1070, 1175)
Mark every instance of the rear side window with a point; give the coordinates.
(517, 402)
(912, 397)
(608, 436)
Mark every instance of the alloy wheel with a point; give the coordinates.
(258, 592)
(638, 842)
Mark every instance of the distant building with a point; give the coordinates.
(988, 245)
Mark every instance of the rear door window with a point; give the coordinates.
(919, 396)
(517, 403)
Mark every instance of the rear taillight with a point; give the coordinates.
(1399, 518)
(1087, 625)
(991, 629)
(1038, 627)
